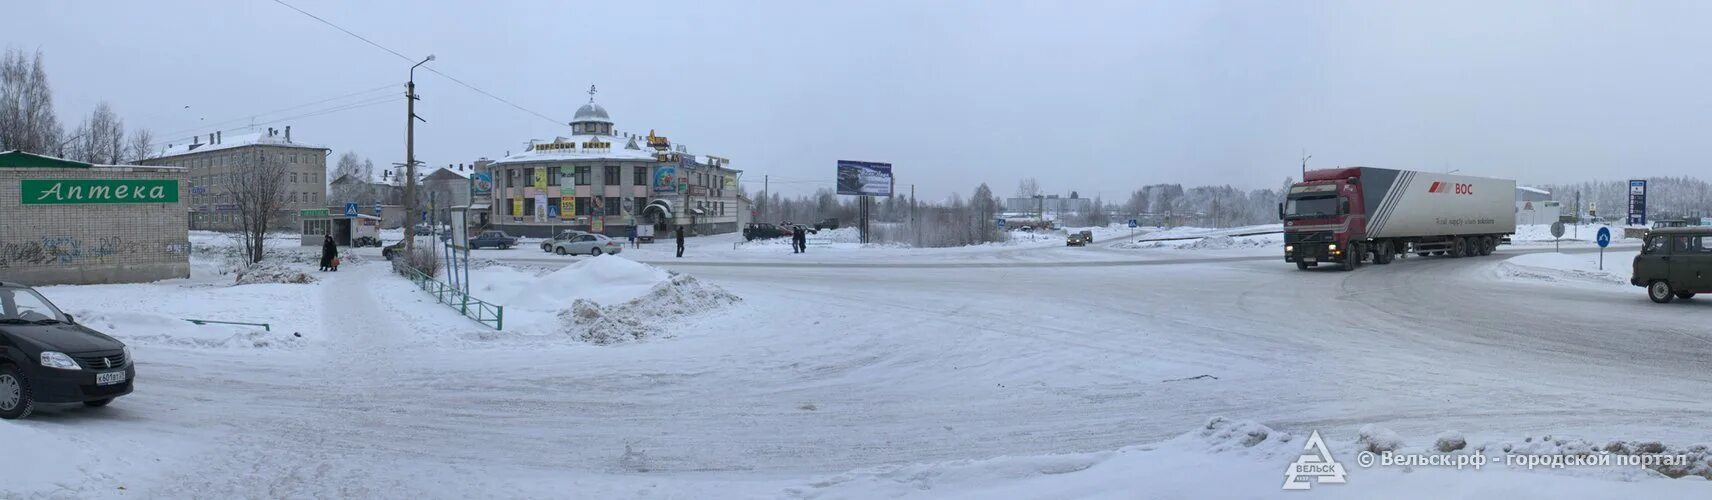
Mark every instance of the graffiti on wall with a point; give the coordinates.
(69, 250)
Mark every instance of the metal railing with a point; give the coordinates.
(471, 307)
(203, 322)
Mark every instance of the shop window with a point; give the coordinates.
(584, 208)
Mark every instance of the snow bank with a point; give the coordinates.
(270, 272)
(601, 300)
(1579, 268)
(646, 316)
(137, 328)
(1217, 242)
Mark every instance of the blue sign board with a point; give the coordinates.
(552, 211)
(1132, 224)
(999, 223)
(350, 209)
(1638, 202)
(1604, 237)
(377, 208)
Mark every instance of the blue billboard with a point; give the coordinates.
(863, 178)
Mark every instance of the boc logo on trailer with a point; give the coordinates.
(1316, 461)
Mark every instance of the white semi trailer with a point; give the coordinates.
(1343, 216)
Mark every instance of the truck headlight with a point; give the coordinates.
(1332, 247)
(1289, 248)
(52, 359)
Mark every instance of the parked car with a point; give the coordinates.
(1076, 240)
(494, 239)
(566, 235)
(366, 241)
(1675, 263)
(589, 244)
(46, 357)
(828, 223)
(762, 230)
(392, 250)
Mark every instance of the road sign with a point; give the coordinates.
(1557, 229)
(1604, 237)
(377, 208)
(999, 223)
(1132, 224)
(350, 209)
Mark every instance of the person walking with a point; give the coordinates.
(796, 233)
(329, 251)
(632, 235)
(680, 242)
(802, 240)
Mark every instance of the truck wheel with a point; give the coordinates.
(1302, 265)
(1458, 248)
(1660, 291)
(1685, 295)
(1487, 245)
(1384, 254)
(1351, 260)
(15, 399)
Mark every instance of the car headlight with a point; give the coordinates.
(1289, 248)
(58, 360)
(128, 358)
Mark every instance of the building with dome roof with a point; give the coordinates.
(603, 181)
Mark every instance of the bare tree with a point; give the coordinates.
(27, 120)
(259, 193)
(1028, 188)
(141, 146)
(101, 137)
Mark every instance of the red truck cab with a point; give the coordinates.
(1323, 215)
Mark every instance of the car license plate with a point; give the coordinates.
(109, 378)
(1308, 259)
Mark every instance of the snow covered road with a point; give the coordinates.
(839, 364)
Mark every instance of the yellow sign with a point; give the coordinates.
(598, 225)
(549, 146)
(540, 178)
(597, 145)
(567, 207)
(517, 207)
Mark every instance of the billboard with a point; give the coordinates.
(665, 180)
(481, 183)
(864, 178)
(567, 208)
(1638, 202)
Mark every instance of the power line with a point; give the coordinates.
(281, 110)
(409, 59)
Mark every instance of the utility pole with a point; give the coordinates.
(766, 203)
(410, 160)
(913, 223)
(1305, 158)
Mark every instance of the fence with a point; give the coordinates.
(471, 307)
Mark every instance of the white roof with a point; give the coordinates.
(618, 151)
(1532, 189)
(465, 174)
(228, 141)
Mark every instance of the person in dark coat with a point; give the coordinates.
(795, 233)
(802, 240)
(680, 242)
(329, 250)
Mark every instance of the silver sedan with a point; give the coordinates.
(587, 244)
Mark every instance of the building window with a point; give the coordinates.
(612, 205)
(612, 176)
(552, 176)
(641, 176)
(511, 178)
(529, 177)
(583, 205)
(294, 177)
(583, 175)
(528, 207)
(641, 202)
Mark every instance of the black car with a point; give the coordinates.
(46, 357)
(762, 231)
(828, 223)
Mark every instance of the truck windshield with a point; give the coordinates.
(23, 305)
(1311, 207)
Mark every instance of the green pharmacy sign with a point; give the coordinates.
(97, 191)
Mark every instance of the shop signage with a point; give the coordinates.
(97, 191)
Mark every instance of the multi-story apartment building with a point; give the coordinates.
(213, 161)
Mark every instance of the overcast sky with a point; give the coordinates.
(1098, 97)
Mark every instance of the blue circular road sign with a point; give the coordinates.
(1604, 237)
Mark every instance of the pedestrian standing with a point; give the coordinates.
(802, 240)
(680, 242)
(329, 251)
(632, 235)
(796, 234)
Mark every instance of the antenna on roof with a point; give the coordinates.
(591, 93)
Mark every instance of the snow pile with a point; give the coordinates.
(1580, 268)
(1694, 461)
(1377, 439)
(154, 329)
(646, 316)
(606, 279)
(1217, 242)
(270, 272)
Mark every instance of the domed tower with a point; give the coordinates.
(591, 119)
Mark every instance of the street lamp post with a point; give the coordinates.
(410, 159)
